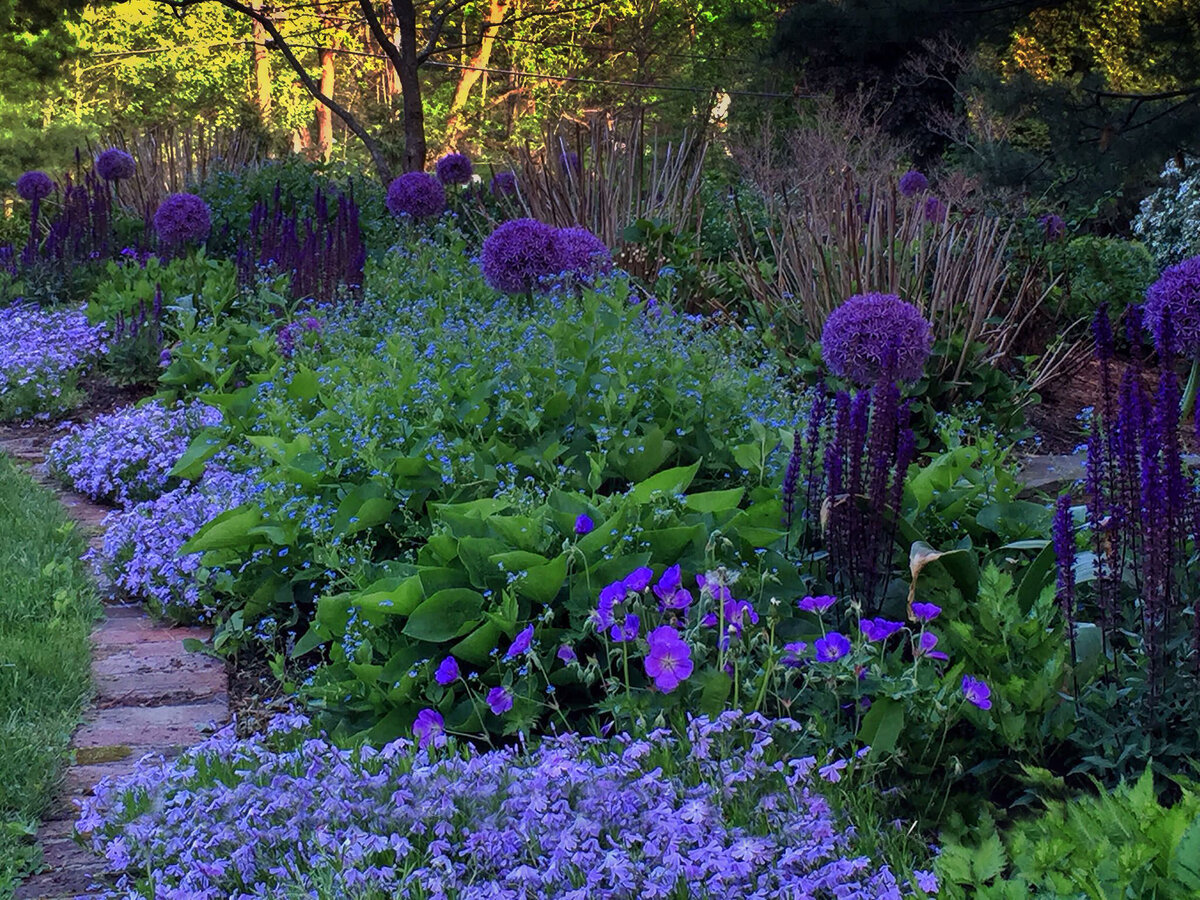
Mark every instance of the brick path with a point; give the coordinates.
(151, 696)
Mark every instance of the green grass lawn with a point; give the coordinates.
(47, 606)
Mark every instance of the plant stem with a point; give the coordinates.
(1189, 392)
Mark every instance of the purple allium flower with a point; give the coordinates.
(182, 218)
(638, 580)
(114, 164)
(669, 662)
(816, 604)
(566, 654)
(518, 254)
(584, 524)
(569, 162)
(792, 654)
(499, 700)
(879, 629)
(454, 168)
(581, 253)
(504, 184)
(35, 185)
(610, 596)
(926, 612)
(416, 194)
(872, 333)
(1177, 291)
(1053, 227)
(913, 182)
(628, 631)
(447, 671)
(977, 692)
(935, 210)
(521, 643)
(428, 726)
(926, 644)
(832, 647)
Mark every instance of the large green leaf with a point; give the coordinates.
(364, 506)
(445, 615)
(203, 447)
(230, 529)
(881, 726)
(668, 481)
(1036, 579)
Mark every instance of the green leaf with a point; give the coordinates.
(714, 691)
(230, 529)
(716, 501)
(1184, 866)
(881, 726)
(1036, 577)
(669, 482)
(365, 506)
(445, 615)
(203, 447)
(311, 641)
(542, 584)
(304, 385)
(989, 859)
(390, 596)
(477, 646)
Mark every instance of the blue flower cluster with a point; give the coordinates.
(720, 811)
(42, 354)
(126, 457)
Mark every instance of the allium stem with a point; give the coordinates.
(1189, 391)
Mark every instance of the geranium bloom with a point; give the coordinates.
(638, 580)
(628, 631)
(977, 692)
(610, 596)
(879, 629)
(925, 646)
(566, 653)
(499, 700)
(832, 647)
(792, 654)
(584, 524)
(428, 726)
(447, 671)
(669, 662)
(520, 643)
(816, 604)
(926, 612)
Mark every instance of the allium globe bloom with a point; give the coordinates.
(568, 160)
(935, 210)
(1053, 227)
(35, 185)
(870, 333)
(504, 184)
(114, 164)
(182, 218)
(1178, 291)
(416, 194)
(518, 254)
(581, 253)
(912, 183)
(669, 662)
(454, 168)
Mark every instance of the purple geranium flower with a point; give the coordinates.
(454, 168)
(416, 194)
(628, 631)
(926, 612)
(669, 662)
(35, 185)
(521, 643)
(876, 334)
(792, 654)
(879, 629)
(447, 671)
(567, 654)
(181, 219)
(638, 580)
(114, 164)
(584, 524)
(816, 604)
(832, 647)
(913, 182)
(977, 692)
(926, 644)
(610, 596)
(428, 726)
(499, 700)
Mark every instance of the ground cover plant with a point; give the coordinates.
(46, 615)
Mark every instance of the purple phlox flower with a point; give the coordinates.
(499, 700)
(638, 580)
(428, 726)
(447, 671)
(35, 185)
(792, 654)
(114, 164)
(912, 183)
(874, 335)
(832, 647)
(816, 604)
(977, 692)
(879, 629)
(518, 254)
(925, 644)
(926, 881)
(584, 524)
(669, 662)
(935, 210)
(627, 631)
(521, 643)
(566, 654)
(1053, 227)
(926, 612)
(610, 596)
(454, 168)
(504, 184)
(416, 194)
(1177, 291)
(181, 219)
(832, 772)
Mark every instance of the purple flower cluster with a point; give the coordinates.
(454, 168)
(140, 552)
(416, 194)
(1177, 294)
(912, 183)
(35, 185)
(115, 164)
(125, 457)
(873, 336)
(503, 184)
(719, 811)
(182, 219)
(522, 252)
(1053, 227)
(41, 355)
(297, 333)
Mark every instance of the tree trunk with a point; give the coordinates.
(260, 69)
(410, 86)
(324, 115)
(473, 72)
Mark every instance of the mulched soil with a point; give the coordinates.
(102, 397)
